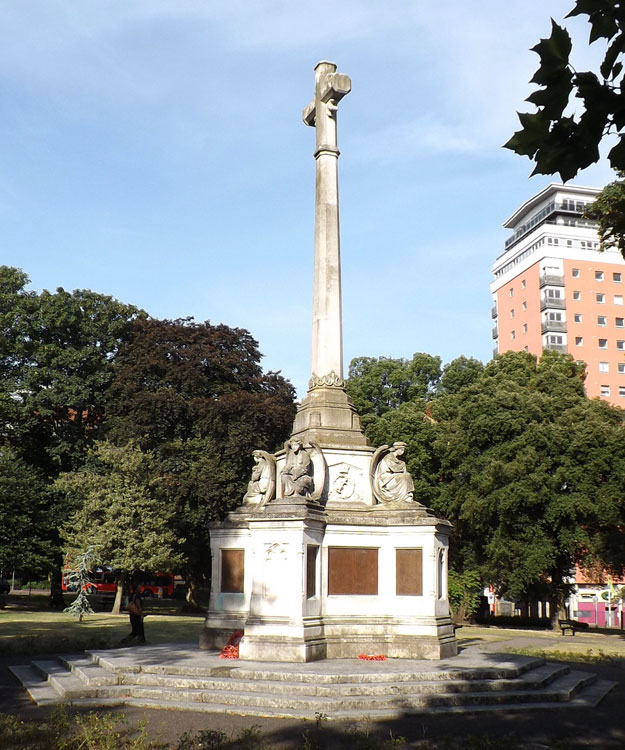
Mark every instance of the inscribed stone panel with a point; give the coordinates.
(409, 572)
(311, 570)
(232, 570)
(352, 570)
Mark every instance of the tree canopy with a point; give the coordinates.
(554, 137)
(529, 471)
(194, 395)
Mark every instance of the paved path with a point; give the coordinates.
(602, 727)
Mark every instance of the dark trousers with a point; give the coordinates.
(136, 623)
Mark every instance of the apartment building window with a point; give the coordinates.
(513, 335)
(524, 306)
(621, 368)
(616, 276)
(621, 391)
(579, 341)
(604, 367)
(618, 299)
(524, 327)
(555, 339)
(523, 284)
(603, 343)
(511, 291)
(620, 345)
(598, 275)
(578, 317)
(577, 295)
(512, 313)
(605, 390)
(600, 298)
(602, 320)
(619, 322)
(554, 316)
(526, 348)
(576, 273)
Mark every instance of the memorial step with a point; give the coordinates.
(350, 690)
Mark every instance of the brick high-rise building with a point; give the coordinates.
(553, 289)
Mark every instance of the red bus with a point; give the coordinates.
(103, 581)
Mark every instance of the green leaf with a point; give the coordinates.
(603, 17)
(528, 140)
(554, 97)
(616, 155)
(617, 48)
(554, 54)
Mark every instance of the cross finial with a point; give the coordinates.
(330, 88)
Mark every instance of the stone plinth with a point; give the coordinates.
(333, 583)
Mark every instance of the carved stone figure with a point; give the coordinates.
(261, 487)
(390, 480)
(297, 474)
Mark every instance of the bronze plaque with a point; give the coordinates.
(311, 570)
(232, 570)
(352, 570)
(409, 572)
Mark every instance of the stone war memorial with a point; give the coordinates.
(330, 554)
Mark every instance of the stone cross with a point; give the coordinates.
(327, 335)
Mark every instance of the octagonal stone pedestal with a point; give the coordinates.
(307, 582)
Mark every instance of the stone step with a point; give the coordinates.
(228, 689)
(509, 671)
(587, 698)
(528, 681)
(90, 672)
(561, 689)
(69, 685)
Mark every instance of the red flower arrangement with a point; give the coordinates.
(231, 649)
(372, 657)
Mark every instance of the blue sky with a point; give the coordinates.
(153, 150)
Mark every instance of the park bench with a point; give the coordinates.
(571, 625)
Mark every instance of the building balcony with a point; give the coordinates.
(493, 311)
(551, 279)
(556, 347)
(495, 352)
(553, 326)
(555, 303)
(495, 332)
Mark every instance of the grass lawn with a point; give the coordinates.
(550, 643)
(27, 626)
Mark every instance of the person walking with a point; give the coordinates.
(136, 614)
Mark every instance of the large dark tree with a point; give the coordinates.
(56, 352)
(531, 473)
(196, 396)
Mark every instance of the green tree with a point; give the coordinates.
(25, 543)
(195, 395)
(531, 475)
(379, 384)
(121, 513)
(459, 374)
(56, 353)
(560, 142)
(78, 579)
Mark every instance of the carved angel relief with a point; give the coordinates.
(304, 472)
(390, 479)
(262, 485)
